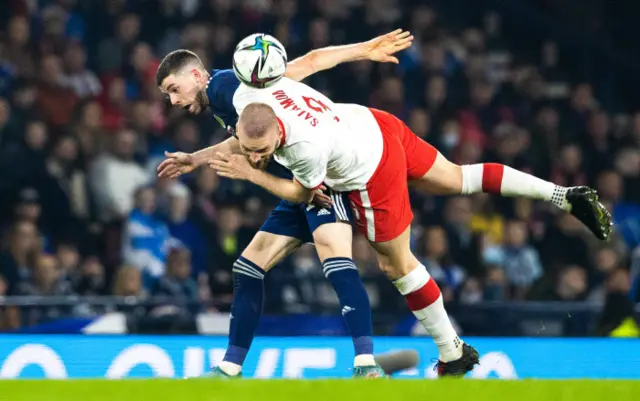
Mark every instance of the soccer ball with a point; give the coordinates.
(259, 60)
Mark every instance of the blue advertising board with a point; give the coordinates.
(83, 356)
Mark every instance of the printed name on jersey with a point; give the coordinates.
(289, 104)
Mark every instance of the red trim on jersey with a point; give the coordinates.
(310, 189)
(283, 133)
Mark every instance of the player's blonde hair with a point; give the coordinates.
(257, 119)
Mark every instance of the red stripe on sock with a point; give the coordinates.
(424, 296)
(492, 177)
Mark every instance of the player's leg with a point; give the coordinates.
(431, 172)
(282, 233)
(424, 299)
(332, 235)
(383, 213)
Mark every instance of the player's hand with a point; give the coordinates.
(236, 167)
(382, 48)
(321, 199)
(176, 164)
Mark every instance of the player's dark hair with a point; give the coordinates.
(174, 62)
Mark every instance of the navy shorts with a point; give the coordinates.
(300, 221)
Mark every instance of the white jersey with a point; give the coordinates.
(336, 144)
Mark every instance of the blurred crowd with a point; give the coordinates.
(83, 127)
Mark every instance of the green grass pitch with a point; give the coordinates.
(308, 390)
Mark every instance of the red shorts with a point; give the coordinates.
(382, 210)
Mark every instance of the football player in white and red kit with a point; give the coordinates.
(373, 155)
(186, 83)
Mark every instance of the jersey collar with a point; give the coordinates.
(206, 89)
(283, 133)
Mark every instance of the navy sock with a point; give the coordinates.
(354, 301)
(248, 292)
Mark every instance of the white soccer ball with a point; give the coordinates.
(259, 60)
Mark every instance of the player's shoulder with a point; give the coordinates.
(224, 75)
(222, 84)
(245, 94)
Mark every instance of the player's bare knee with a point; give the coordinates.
(395, 269)
(333, 240)
(395, 258)
(388, 268)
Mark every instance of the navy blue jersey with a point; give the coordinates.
(220, 90)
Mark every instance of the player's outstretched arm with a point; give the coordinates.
(290, 190)
(179, 163)
(380, 49)
(237, 167)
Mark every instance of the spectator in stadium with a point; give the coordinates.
(185, 230)
(24, 160)
(28, 207)
(569, 168)
(18, 47)
(65, 187)
(618, 319)
(112, 51)
(463, 244)
(68, 256)
(22, 109)
(437, 258)
(55, 101)
(115, 177)
(146, 240)
(84, 82)
(114, 102)
(496, 286)
(605, 261)
(571, 284)
(20, 249)
(563, 244)
(520, 261)
(486, 218)
(45, 281)
(177, 285)
(88, 130)
(90, 277)
(471, 291)
(128, 283)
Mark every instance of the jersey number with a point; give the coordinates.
(317, 106)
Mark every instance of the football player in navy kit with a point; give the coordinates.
(187, 84)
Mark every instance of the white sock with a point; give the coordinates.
(425, 301)
(504, 180)
(364, 360)
(229, 368)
